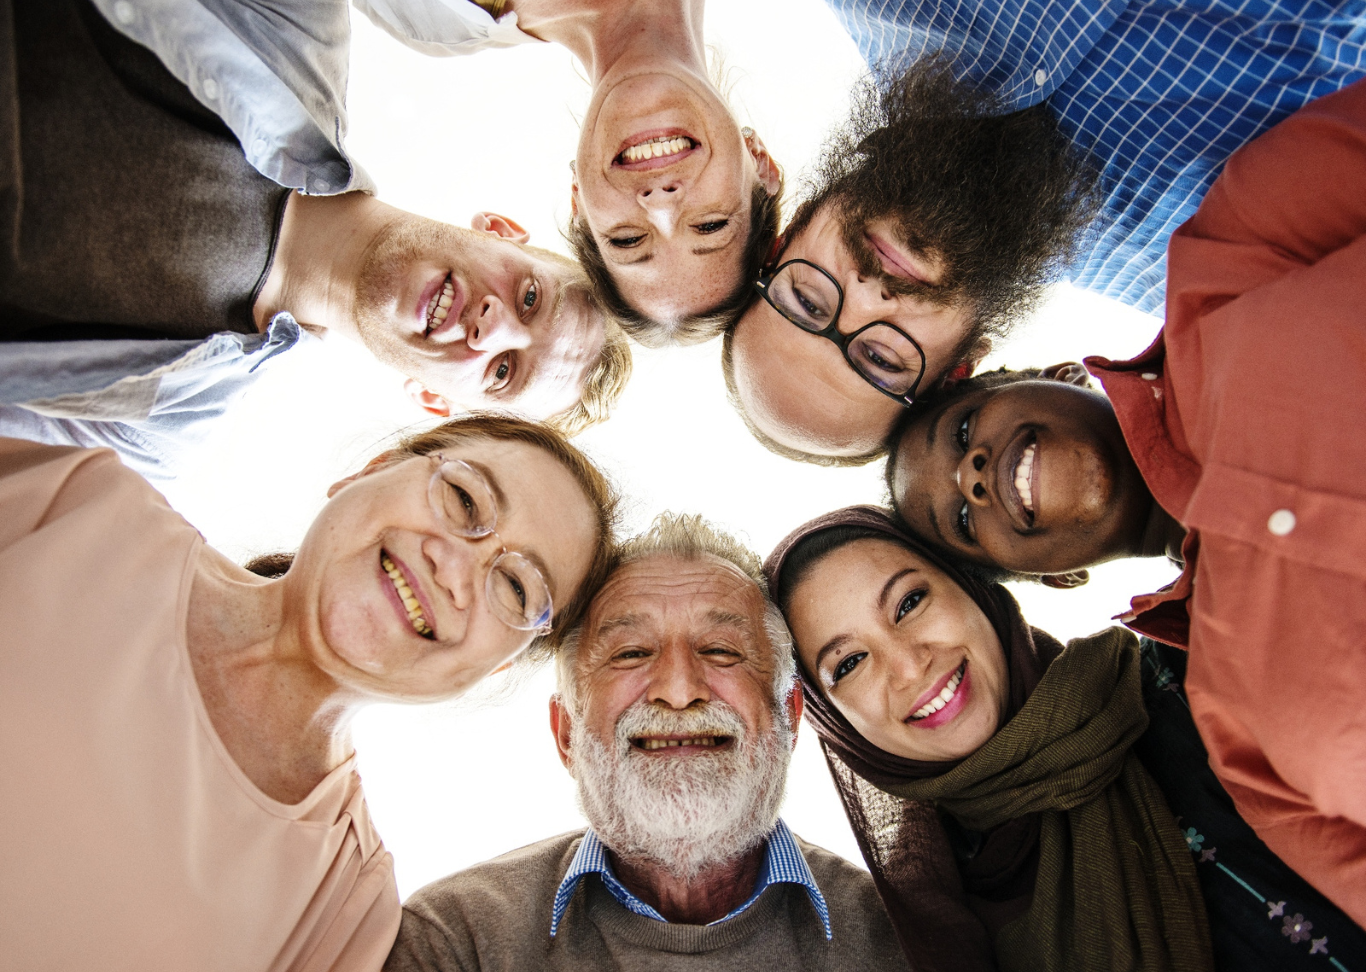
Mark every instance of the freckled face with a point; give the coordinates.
(349, 607)
(664, 180)
(1034, 476)
(900, 650)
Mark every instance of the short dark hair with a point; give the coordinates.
(764, 216)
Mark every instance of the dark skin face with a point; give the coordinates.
(1033, 476)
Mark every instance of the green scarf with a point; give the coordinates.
(1116, 888)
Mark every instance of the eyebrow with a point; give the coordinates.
(625, 621)
(839, 641)
(935, 415)
(934, 522)
(891, 582)
(499, 496)
(729, 618)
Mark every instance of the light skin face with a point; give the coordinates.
(676, 633)
(798, 388)
(884, 632)
(519, 331)
(351, 619)
(671, 229)
(964, 478)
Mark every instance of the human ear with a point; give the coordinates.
(559, 728)
(426, 400)
(504, 226)
(965, 368)
(1062, 582)
(794, 709)
(769, 174)
(1070, 372)
(374, 465)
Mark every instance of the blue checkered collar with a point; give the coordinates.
(783, 864)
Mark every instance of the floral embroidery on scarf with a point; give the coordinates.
(1297, 928)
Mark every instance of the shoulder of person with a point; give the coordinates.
(513, 885)
(41, 483)
(858, 920)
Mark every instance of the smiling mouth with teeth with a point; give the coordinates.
(656, 148)
(943, 698)
(1024, 480)
(440, 305)
(650, 744)
(405, 594)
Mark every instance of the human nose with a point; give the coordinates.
(971, 476)
(677, 679)
(496, 328)
(661, 202)
(866, 299)
(461, 564)
(909, 664)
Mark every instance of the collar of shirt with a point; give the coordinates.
(1142, 399)
(783, 864)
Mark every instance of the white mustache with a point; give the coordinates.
(654, 719)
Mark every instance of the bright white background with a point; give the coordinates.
(455, 784)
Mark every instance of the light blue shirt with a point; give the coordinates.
(1159, 92)
(151, 401)
(783, 864)
(275, 71)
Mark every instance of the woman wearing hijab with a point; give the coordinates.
(931, 693)
(180, 788)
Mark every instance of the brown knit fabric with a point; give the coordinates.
(495, 917)
(1069, 819)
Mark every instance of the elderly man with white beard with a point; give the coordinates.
(676, 715)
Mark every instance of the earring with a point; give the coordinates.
(746, 131)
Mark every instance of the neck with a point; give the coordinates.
(323, 244)
(1162, 535)
(608, 34)
(283, 721)
(711, 895)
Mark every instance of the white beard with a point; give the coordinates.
(686, 813)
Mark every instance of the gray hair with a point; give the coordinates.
(690, 537)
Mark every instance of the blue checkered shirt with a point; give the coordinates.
(783, 864)
(1160, 92)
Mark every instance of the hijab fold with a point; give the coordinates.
(1056, 791)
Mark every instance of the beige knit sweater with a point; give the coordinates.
(496, 916)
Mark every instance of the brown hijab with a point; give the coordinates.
(949, 913)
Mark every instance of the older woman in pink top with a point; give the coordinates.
(179, 785)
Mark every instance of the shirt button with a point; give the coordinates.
(124, 12)
(1281, 522)
(1149, 376)
(210, 88)
(1040, 76)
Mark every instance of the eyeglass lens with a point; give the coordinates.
(881, 353)
(886, 357)
(805, 296)
(517, 592)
